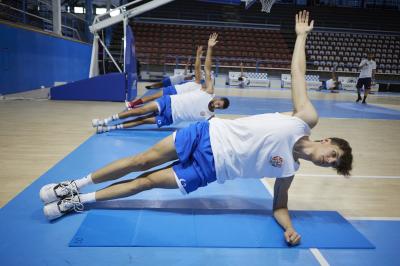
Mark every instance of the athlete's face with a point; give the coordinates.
(218, 104)
(370, 56)
(326, 154)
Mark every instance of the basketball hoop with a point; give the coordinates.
(266, 5)
(249, 3)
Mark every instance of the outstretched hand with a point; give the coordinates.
(302, 26)
(212, 41)
(199, 51)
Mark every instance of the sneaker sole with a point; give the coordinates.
(48, 215)
(95, 122)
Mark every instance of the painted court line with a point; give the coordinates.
(319, 257)
(268, 187)
(353, 176)
(316, 253)
(373, 218)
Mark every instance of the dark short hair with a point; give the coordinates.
(346, 160)
(240, 78)
(226, 102)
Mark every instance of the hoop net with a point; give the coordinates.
(266, 5)
(249, 3)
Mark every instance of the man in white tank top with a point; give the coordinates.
(265, 145)
(197, 105)
(367, 75)
(174, 89)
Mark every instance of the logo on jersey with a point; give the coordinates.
(183, 182)
(159, 121)
(276, 161)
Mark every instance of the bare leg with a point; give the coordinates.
(148, 108)
(152, 97)
(150, 119)
(366, 92)
(156, 85)
(164, 151)
(163, 178)
(145, 99)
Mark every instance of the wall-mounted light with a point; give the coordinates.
(115, 12)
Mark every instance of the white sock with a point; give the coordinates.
(120, 126)
(111, 118)
(88, 197)
(84, 181)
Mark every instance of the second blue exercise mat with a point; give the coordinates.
(212, 228)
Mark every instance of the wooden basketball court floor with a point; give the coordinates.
(36, 134)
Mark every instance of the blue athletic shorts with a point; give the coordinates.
(166, 82)
(195, 167)
(164, 116)
(170, 90)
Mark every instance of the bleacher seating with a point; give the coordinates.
(162, 43)
(312, 81)
(281, 14)
(325, 49)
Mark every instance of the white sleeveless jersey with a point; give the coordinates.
(187, 87)
(366, 70)
(330, 84)
(176, 79)
(191, 106)
(256, 146)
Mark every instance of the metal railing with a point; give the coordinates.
(45, 23)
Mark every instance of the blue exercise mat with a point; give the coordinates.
(213, 228)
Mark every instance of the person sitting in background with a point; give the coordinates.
(333, 84)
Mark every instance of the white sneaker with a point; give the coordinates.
(57, 209)
(53, 192)
(101, 129)
(98, 122)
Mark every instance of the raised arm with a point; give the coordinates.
(241, 69)
(187, 65)
(281, 212)
(197, 64)
(302, 106)
(212, 41)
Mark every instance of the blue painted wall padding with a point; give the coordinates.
(130, 65)
(108, 87)
(30, 59)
